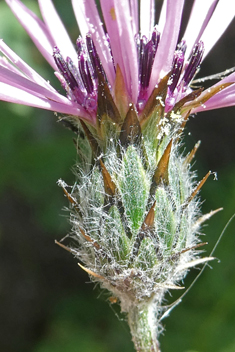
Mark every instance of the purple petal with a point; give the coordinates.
(111, 23)
(79, 11)
(200, 15)
(165, 53)
(128, 47)
(35, 28)
(162, 18)
(19, 96)
(135, 16)
(16, 80)
(147, 13)
(56, 29)
(88, 19)
(23, 67)
(117, 19)
(222, 99)
(5, 63)
(220, 20)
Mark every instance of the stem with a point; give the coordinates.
(144, 327)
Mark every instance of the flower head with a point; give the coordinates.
(134, 208)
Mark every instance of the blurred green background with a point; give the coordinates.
(46, 302)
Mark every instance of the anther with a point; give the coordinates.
(64, 69)
(194, 63)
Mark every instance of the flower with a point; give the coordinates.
(141, 52)
(134, 209)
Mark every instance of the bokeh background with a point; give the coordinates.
(46, 302)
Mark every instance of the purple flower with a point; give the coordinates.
(135, 52)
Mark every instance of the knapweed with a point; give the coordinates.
(135, 211)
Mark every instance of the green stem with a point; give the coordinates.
(144, 327)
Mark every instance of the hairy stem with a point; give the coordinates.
(144, 327)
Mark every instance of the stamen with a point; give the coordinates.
(80, 46)
(79, 92)
(147, 52)
(177, 66)
(141, 43)
(94, 57)
(146, 55)
(64, 70)
(74, 71)
(194, 63)
(75, 87)
(85, 74)
(182, 46)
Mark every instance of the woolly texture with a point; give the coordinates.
(134, 209)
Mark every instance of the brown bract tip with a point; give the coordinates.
(156, 100)
(206, 95)
(89, 239)
(190, 97)
(121, 96)
(130, 130)
(197, 189)
(90, 272)
(161, 173)
(191, 155)
(109, 185)
(106, 106)
(149, 219)
(91, 139)
(63, 246)
(145, 231)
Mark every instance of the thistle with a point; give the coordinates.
(134, 207)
